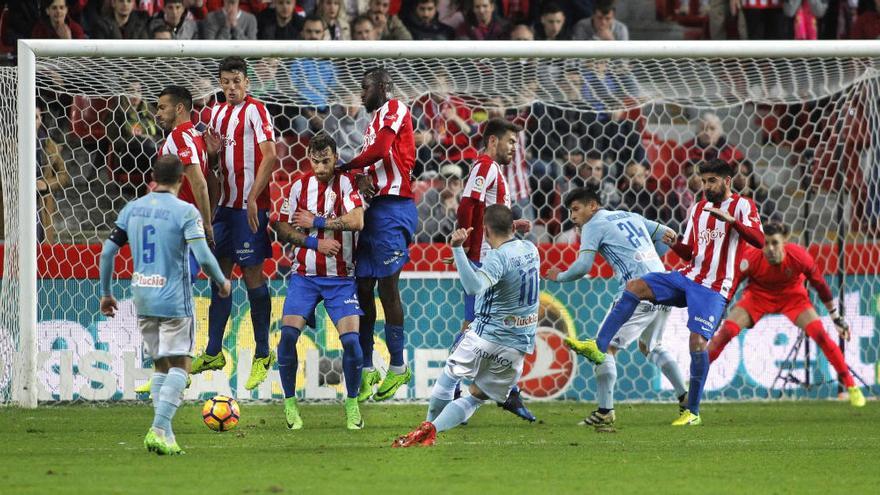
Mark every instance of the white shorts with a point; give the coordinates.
(167, 337)
(646, 324)
(493, 368)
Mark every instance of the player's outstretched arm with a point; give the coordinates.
(380, 147)
(472, 282)
(112, 245)
(209, 263)
(577, 270)
(662, 236)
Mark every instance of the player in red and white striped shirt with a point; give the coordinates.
(390, 224)
(714, 243)
(320, 218)
(173, 113)
(242, 138)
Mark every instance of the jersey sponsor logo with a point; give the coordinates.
(394, 258)
(185, 153)
(707, 236)
(479, 184)
(708, 324)
(744, 265)
(147, 281)
(228, 141)
(285, 207)
(513, 321)
(329, 203)
(549, 370)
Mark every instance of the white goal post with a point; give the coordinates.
(678, 57)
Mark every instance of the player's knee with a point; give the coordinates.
(640, 289)
(612, 350)
(476, 392)
(697, 342)
(643, 348)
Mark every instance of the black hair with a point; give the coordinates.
(498, 219)
(378, 74)
(233, 64)
(716, 166)
(315, 18)
(604, 6)
(776, 227)
(178, 94)
(551, 8)
(498, 127)
(583, 195)
(322, 141)
(167, 170)
(593, 155)
(362, 18)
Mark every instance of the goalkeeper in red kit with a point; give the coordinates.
(776, 286)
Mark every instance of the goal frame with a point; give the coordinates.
(24, 391)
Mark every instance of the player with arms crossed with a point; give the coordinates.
(632, 245)
(491, 354)
(161, 230)
(718, 229)
(242, 136)
(320, 219)
(776, 286)
(486, 185)
(390, 222)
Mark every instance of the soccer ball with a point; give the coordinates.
(220, 413)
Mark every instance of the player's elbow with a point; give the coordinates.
(357, 219)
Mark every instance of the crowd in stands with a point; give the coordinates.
(559, 148)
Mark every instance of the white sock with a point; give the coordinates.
(606, 377)
(397, 369)
(663, 359)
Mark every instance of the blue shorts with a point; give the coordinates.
(338, 293)
(705, 306)
(383, 245)
(234, 238)
(194, 268)
(470, 313)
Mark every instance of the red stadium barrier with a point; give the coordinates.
(80, 261)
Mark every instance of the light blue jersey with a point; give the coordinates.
(628, 241)
(159, 228)
(506, 286)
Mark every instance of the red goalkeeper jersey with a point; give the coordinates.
(785, 279)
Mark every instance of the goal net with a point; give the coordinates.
(802, 132)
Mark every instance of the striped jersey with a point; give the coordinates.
(187, 143)
(518, 171)
(717, 247)
(242, 128)
(330, 200)
(391, 176)
(762, 4)
(486, 184)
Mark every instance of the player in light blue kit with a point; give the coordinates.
(632, 245)
(490, 355)
(161, 230)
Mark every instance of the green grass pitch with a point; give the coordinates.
(756, 448)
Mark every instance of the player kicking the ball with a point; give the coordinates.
(320, 218)
(161, 230)
(632, 245)
(719, 226)
(776, 286)
(490, 356)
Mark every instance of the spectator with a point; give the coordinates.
(709, 143)
(522, 32)
(424, 24)
(281, 22)
(481, 23)
(610, 129)
(390, 26)
(123, 22)
(162, 32)
(438, 207)
(552, 23)
(52, 177)
(765, 19)
(134, 134)
(867, 25)
(263, 77)
(802, 15)
(313, 80)
(346, 124)
(335, 18)
(686, 190)
(518, 11)
(593, 172)
(444, 126)
(602, 25)
(638, 198)
(203, 100)
(451, 12)
(55, 24)
(175, 18)
(747, 184)
(355, 8)
(20, 19)
(363, 29)
(229, 23)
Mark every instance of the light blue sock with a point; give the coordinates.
(441, 394)
(156, 382)
(606, 376)
(170, 397)
(456, 413)
(663, 359)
